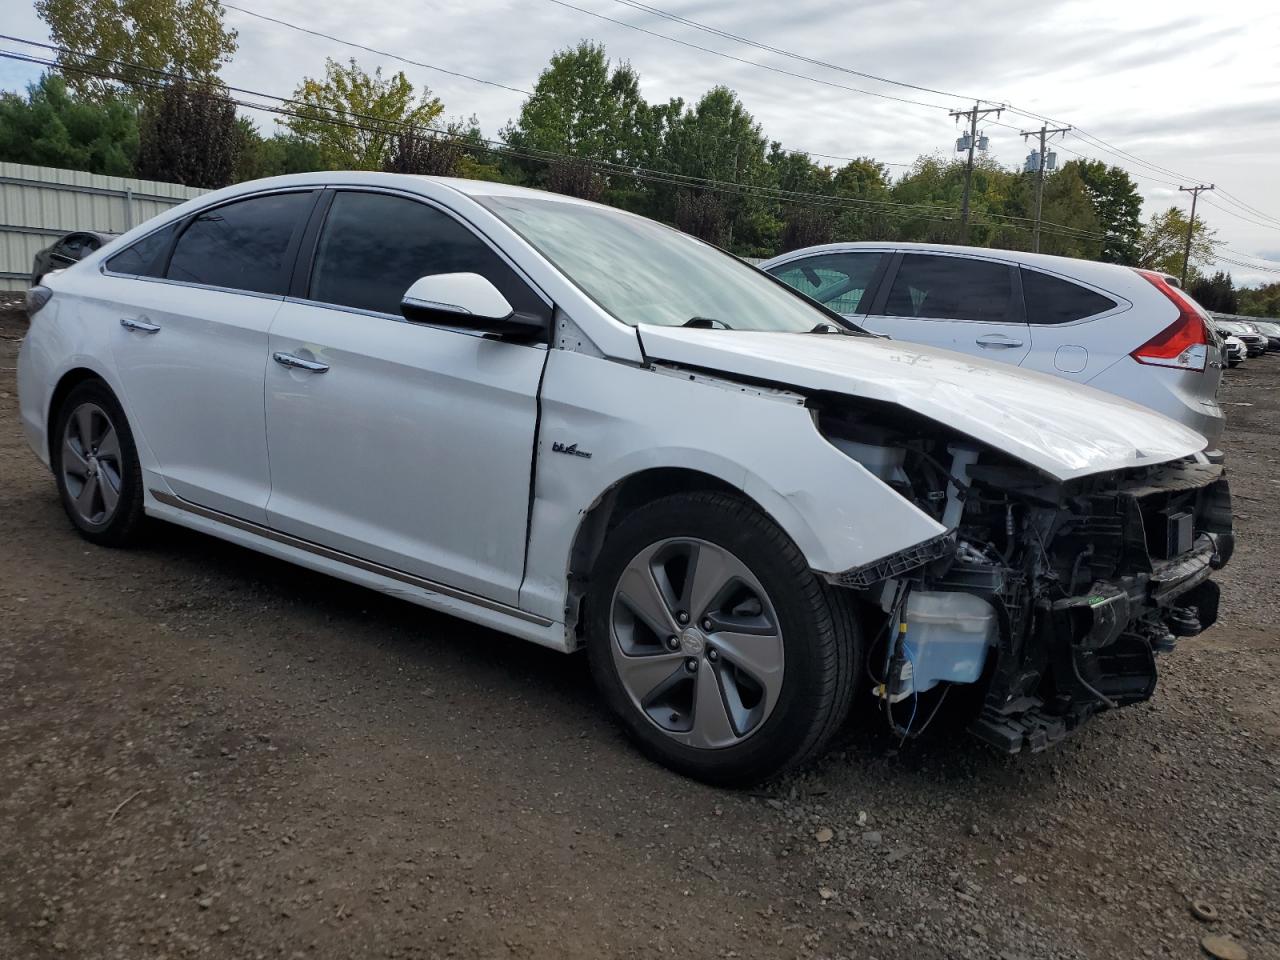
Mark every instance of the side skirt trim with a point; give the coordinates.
(391, 573)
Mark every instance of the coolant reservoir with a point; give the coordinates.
(947, 638)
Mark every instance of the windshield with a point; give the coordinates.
(643, 272)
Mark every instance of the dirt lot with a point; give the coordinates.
(207, 752)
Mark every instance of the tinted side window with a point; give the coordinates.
(1051, 300)
(145, 258)
(374, 246)
(950, 288)
(838, 280)
(241, 245)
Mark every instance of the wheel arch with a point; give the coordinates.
(66, 383)
(622, 498)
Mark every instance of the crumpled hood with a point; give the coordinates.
(1065, 429)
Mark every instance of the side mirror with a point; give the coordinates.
(467, 301)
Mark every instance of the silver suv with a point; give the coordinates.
(1126, 331)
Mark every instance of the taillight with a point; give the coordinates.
(1183, 344)
(37, 297)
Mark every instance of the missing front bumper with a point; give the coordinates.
(1099, 650)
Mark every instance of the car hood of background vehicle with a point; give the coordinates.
(1059, 427)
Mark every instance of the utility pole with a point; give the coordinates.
(1191, 226)
(1044, 133)
(970, 141)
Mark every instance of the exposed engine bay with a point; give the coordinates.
(1054, 597)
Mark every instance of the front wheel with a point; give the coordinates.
(723, 655)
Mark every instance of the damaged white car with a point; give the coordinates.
(583, 428)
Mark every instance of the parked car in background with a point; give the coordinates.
(1126, 331)
(67, 250)
(1254, 341)
(1236, 350)
(582, 427)
(1269, 329)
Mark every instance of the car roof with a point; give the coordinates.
(407, 181)
(1103, 274)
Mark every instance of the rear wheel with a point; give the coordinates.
(96, 466)
(720, 651)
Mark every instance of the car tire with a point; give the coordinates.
(774, 649)
(95, 464)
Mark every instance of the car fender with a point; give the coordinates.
(57, 344)
(602, 422)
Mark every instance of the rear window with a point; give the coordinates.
(1051, 299)
(145, 258)
(241, 245)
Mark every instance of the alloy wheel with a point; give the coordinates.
(91, 468)
(696, 642)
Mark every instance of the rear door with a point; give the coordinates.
(400, 443)
(955, 302)
(190, 320)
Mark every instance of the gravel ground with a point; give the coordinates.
(208, 752)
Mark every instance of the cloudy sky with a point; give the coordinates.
(1184, 90)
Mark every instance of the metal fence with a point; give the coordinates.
(40, 204)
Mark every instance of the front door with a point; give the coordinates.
(954, 302)
(404, 444)
(190, 341)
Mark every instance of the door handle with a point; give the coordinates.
(998, 341)
(289, 360)
(141, 326)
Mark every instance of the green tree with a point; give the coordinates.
(702, 214)
(864, 179)
(353, 117)
(933, 181)
(1216, 293)
(189, 135)
(1163, 239)
(132, 39)
(1117, 206)
(273, 156)
(1260, 301)
(719, 140)
(1069, 216)
(589, 109)
(51, 128)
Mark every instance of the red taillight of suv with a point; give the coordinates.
(1183, 344)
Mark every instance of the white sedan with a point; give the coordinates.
(586, 429)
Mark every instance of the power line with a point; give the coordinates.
(1092, 140)
(1247, 256)
(750, 63)
(1235, 201)
(1240, 216)
(381, 53)
(615, 168)
(611, 167)
(492, 83)
(716, 31)
(1245, 266)
(778, 195)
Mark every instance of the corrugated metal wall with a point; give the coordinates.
(39, 204)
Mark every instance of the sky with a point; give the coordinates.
(1189, 91)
